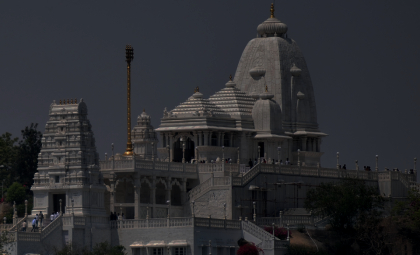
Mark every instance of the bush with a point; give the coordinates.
(16, 193)
(280, 233)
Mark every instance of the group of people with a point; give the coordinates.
(38, 221)
(115, 216)
(264, 161)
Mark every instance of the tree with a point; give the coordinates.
(27, 155)
(16, 193)
(406, 215)
(8, 152)
(343, 202)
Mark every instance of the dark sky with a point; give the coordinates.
(363, 57)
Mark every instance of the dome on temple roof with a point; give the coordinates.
(272, 26)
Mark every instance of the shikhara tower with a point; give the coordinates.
(68, 168)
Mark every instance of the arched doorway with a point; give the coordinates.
(189, 150)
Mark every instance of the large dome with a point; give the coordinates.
(274, 60)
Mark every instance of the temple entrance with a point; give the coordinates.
(189, 150)
(261, 144)
(56, 203)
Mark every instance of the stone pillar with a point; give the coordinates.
(171, 151)
(222, 139)
(206, 138)
(153, 196)
(184, 190)
(137, 186)
(112, 195)
(304, 140)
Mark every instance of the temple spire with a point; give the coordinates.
(272, 10)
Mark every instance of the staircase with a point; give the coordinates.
(263, 239)
(209, 184)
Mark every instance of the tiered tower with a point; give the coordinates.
(144, 138)
(68, 172)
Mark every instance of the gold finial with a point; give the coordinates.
(64, 101)
(60, 101)
(266, 88)
(197, 89)
(68, 101)
(71, 101)
(272, 10)
(230, 77)
(144, 110)
(75, 101)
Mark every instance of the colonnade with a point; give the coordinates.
(151, 191)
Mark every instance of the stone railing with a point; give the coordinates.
(152, 223)
(319, 172)
(18, 225)
(132, 164)
(52, 226)
(288, 220)
(257, 231)
(207, 185)
(5, 227)
(217, 223)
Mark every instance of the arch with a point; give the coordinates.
(176, 198)
(160, 193)
(145, 192)
(124, 191)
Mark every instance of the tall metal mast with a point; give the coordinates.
(129, 55)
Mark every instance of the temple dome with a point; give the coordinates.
(272, 26)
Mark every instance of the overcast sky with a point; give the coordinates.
(363, 57)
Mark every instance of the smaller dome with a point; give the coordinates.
(295, 71)
(266, 96)
(272, 26)
(197, 95)
(300, 95)
(257, 71)
(230, 83)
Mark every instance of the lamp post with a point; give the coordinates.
(255, 215)
(376, 166)
(112, 148)
(169, 208)
(14, 210)
(106, 156)
(147, 212)
(338, 160)
(26, 208)
(273, 230)
(72, 206)
(298, 161)
(279, 155)
(209, 247)
(153, 151)
(357, 164)
(415, 163)
(183, 150)
(259, 154)
(288, 237)
(224, 209)
(61, 211)
(4, 219)
(223, 154)
(196, 155)
(193, 203)
(169, 155)
(239, 161)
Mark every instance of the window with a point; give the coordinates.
(57, 179)
(179, 251)
(157, 251)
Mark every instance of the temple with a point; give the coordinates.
(217, 168)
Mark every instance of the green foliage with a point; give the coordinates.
(18, 162)
(16, 193)
(406, 215)
(27, 155)
(103, 248)
(296, 249)
(8, 152)
(343, 202)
